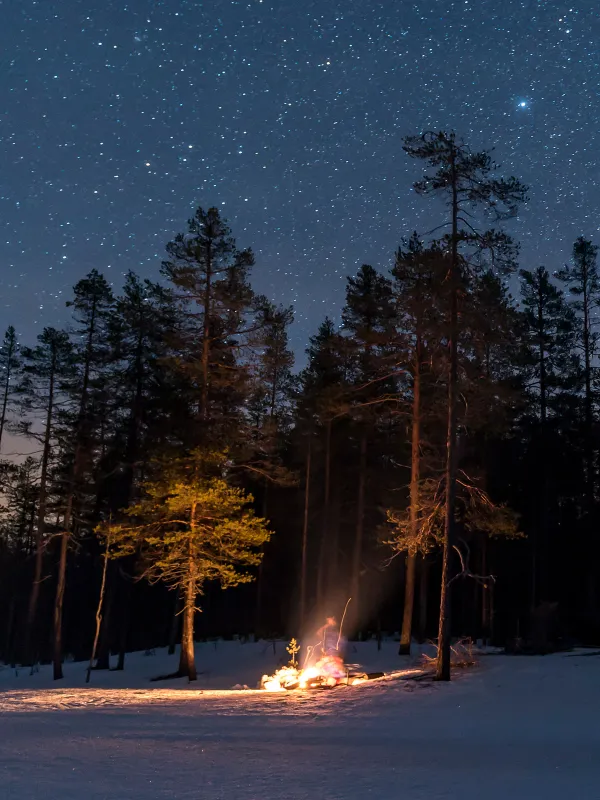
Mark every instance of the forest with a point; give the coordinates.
(435, 461)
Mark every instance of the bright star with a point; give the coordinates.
(523, 104)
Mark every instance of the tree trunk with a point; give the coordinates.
(444, 630)
(71, 497)
(260, 576)
(360, 521)
(58, 606)
(324, 576)
(540, 533)
(423, 597)
(589, 415)
(303, 571)
(98, 613)
(409, 598)
(326, 500)
(187, 662)
(125, 611)
(415, 478)
(8, 639)
(103, 655)
(41, 521)
(485, 595)
(206, 334)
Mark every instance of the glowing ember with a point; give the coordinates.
(327, 673)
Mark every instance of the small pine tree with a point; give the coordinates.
(293, 649)
(192, 528)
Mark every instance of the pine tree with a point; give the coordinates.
(193, 528)
(270, 410)
(143, 398)
(551, 327)
(209, 276)
(553, 376)
(583, 283)
(271, 396)
(91, 305)
(417, 275)
(274, 383)
(322, 402)
(47, 369)
(9, 366)
(368, 318)
(140, 329)
(465, 179)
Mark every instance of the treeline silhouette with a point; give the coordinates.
(436, 460)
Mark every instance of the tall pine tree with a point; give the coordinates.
(465, 180)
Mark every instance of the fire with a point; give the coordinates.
(328, 672)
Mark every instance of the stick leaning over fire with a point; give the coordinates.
(337, 647)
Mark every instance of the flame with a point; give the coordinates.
(328, 671)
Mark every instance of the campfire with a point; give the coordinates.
(326, 673)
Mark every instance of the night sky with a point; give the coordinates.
(119, 118)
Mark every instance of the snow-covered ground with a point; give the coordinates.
(512, 728)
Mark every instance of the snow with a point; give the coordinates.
(511, 728)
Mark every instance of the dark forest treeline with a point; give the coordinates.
(437, 454)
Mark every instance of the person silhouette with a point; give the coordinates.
(329, 637)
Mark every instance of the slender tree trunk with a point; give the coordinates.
(41, 521)
(445, 630)
(98, 612)
(8, 639)
(103, 655)
(125, 614)
(70, 503)
(589, 434)
(540, 533)
(324, 576)
(415, 478)
(327, 494)
(123, 641)
(58, 606)
(303, 570)
(206, 333)
(485, 595)
(423, 597)
(589, 414)
(359, 533)
(260, 577)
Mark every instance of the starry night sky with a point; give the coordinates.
(118, 118)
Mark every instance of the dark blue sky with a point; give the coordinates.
(117, 118)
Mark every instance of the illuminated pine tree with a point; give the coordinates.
(191, 528)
